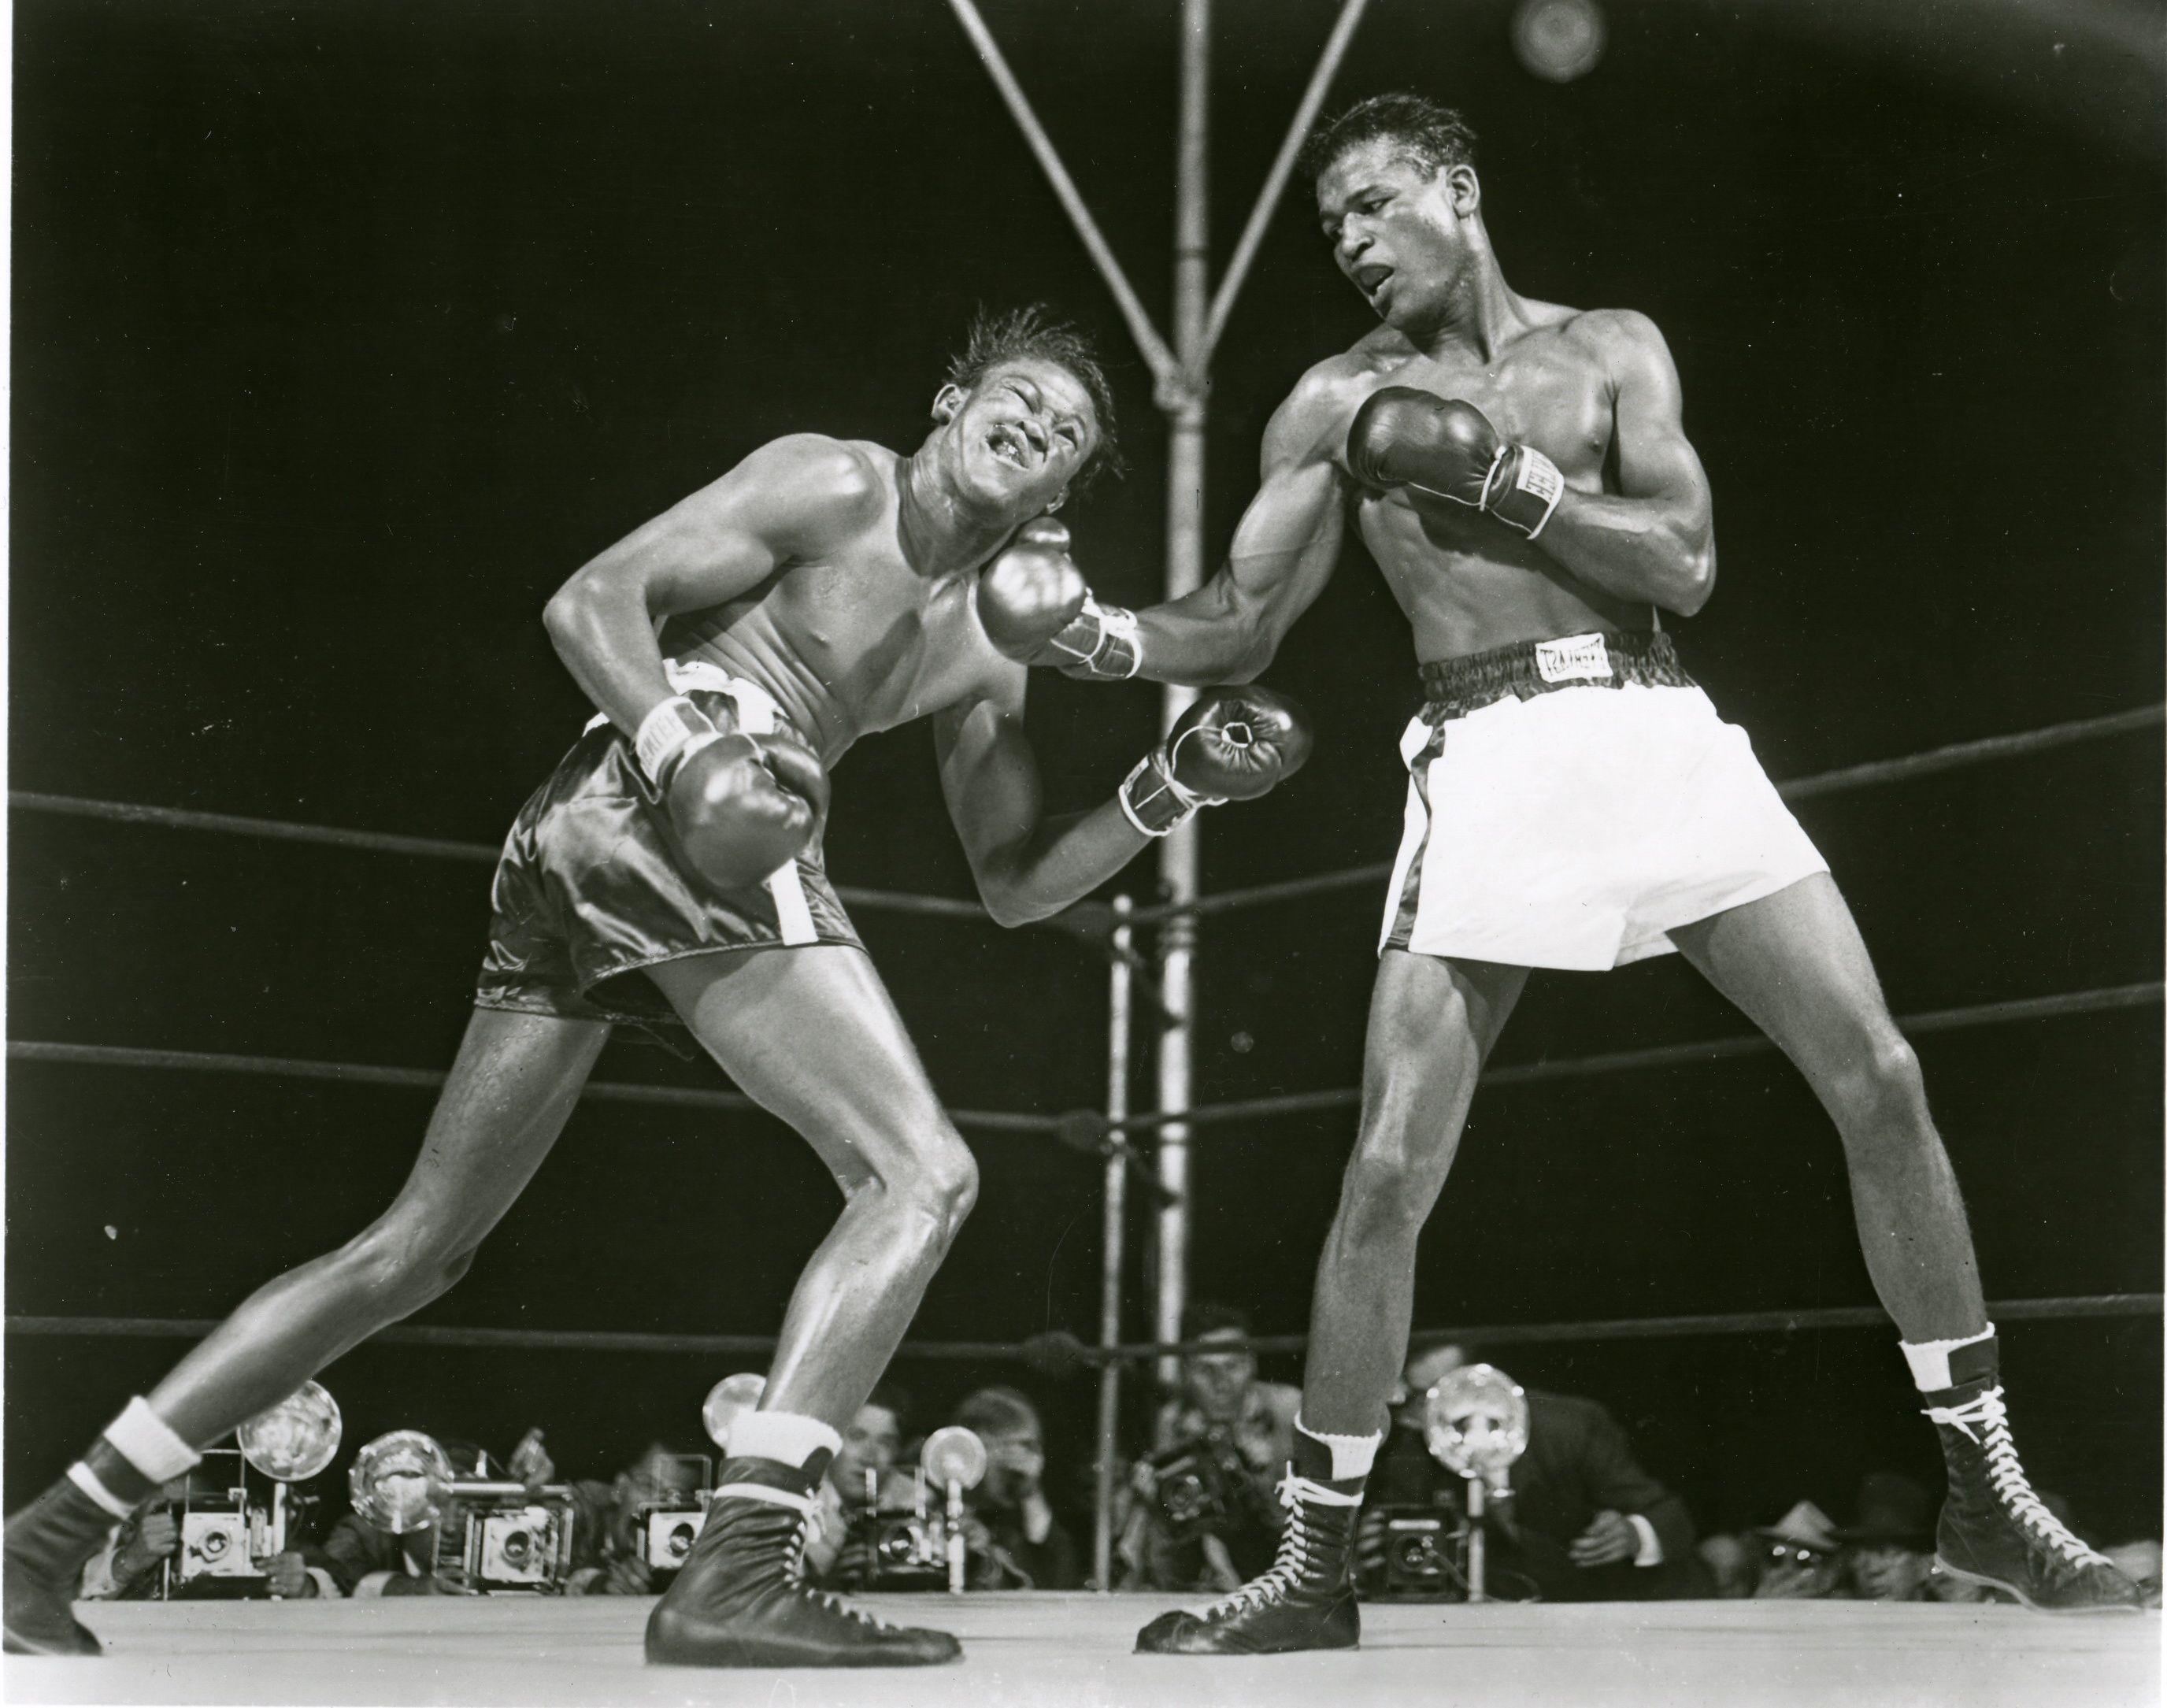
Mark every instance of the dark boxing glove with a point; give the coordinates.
(1232, 744)
(1036, 609)
(1446, 446)
(741, 804)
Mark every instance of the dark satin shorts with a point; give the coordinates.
(592, 887)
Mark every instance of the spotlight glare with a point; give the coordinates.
(1559, 39)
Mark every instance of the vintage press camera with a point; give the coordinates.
(668, 1524)
(1420, 1546)
(923, 1548)
(1201, 1486)
(510, 1541)
(225, 1531)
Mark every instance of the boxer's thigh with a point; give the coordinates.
(1794, 963)
(509, 1093)
(812, 1036)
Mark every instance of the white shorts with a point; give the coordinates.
(1577, 828)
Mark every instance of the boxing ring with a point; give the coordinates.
(1072, 1650)
(1075, 1648)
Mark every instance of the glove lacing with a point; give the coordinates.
(1287, 1569)
(2012, 1487)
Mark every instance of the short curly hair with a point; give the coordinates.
(1433, 133)
(1036, 333)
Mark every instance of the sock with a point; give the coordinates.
(787, 1438)
(125, 1466)
(1962, 1368)
(1341, 1463)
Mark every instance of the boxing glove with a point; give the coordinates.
(1036, 609)
(1445, 446)
(741, 804)
(1233, 743)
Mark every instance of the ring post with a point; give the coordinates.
(1184, 573)
(1120, 974)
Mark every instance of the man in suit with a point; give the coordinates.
(1583, 1521)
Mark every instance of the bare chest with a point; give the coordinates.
(1544, 390)
(884, 644)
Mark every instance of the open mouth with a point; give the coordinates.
(1016, 446)
(1371, 276)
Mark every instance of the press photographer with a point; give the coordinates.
(630, 1534)
(140, 1559)
(1581, 1520)
(1015, 1539)
(430, 1519)
(1202, 1513)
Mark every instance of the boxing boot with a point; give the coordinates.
(41, 1563)
(1995, 1530)
(742, 1600)
(1306, 1601)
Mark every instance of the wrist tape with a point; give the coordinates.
(1154, 800)
(669, 735)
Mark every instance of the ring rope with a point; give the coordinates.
(385, 842)
(1872, 772)
(1086, 1129)
(1061, 1350)
(2073, 1002)
(429, 1078)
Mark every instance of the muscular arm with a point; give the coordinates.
(1655, 539)
(794, 499)
(1284, 552)
(1027, 866)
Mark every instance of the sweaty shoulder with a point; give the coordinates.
(837, 486)
(1625, 340)
(1312, 424)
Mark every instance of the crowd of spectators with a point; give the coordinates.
(1580, 1519)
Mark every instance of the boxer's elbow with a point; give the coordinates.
(1008, 902)
(571, 618)
(1697, 579)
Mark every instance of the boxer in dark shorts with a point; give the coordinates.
(1520, 472)
(669, 874)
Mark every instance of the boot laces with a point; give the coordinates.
(2012, 1487)
(1288, 1566)
(794, 1572)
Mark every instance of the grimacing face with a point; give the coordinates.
(1399, 232)
(1020, 435)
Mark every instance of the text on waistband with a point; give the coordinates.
(1577, 658)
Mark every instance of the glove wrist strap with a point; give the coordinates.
(671, 735)
(1154, 800)
(1115, 651)
(1523, 489)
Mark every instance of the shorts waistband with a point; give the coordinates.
(1452, 687)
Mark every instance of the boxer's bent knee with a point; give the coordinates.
(1877, 1091)
(399, 1268)
(1390, 1187)
(941, 1188)
(934, 1185)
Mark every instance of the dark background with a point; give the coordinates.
(343, 333)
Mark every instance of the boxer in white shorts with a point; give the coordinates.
(1520, 472)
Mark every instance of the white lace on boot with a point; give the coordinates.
(794, 1571)
(1292, 1562)
(2012, 1487)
